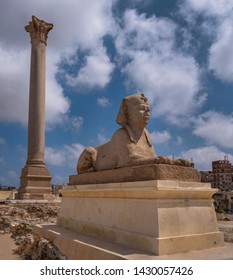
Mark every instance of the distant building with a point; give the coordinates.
(56, 188)
(7, 188)
(224, 201)
(222, 174)
(221, 177)
(207, 177)
(229, 199)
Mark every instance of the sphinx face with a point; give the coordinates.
(138, 112)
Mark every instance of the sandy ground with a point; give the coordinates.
(7, 245)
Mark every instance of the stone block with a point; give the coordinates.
(156, 216)
(138, 173)
(35, 183)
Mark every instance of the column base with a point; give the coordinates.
(35, 183)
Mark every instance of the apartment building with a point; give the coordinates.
(222, 174)
(221, 177)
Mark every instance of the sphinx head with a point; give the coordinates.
(134, 109)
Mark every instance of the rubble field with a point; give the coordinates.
(18, 219)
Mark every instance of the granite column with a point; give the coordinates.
(35, 178)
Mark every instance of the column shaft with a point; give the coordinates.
(36, 119)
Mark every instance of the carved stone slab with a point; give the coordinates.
(137, 173)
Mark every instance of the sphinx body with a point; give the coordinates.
(130, 145)
(119, 152)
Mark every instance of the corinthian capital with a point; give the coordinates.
(38, 29)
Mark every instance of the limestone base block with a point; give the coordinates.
(76, 246)
(138, 173)
(158, 216)
(35, 183)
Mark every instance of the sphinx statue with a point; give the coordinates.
(130, 145)
(127, 195)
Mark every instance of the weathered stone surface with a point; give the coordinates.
(83, 247)
(35, 177)
(157, 216)
(130, 145)
(138, 173)
(35, 183)
(38, 29)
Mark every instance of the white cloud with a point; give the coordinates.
(209, 7)
(14, 93)
(217, 24)
(14, 87)
(76, 123)
(54, 156)
(55, 111)
(160, 137)
(103, 102)
(215, 128)
(169, 78)
(95, 73)
(74, 151)
(1, 159)
(203, 156)
(65, 155)
(220, 55)
(77, 25)
(73, 123)
(141, 33)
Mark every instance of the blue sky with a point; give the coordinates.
(178, 53)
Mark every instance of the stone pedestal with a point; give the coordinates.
(137, 173)
(156, 216)
(35, 183)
